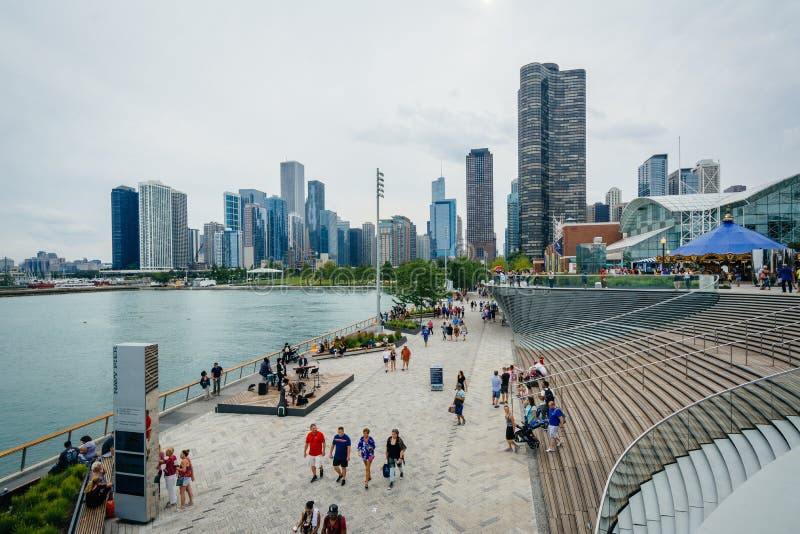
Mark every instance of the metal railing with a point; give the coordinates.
(169, 400)
(711, 418)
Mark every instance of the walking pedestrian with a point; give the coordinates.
(386, 354)
(444, 331)
(510, 426)
(216, 374)
(185, 479)
(334, 523)
(555, 420)
(309, 520)
(425, 333)
(393, 358)
(340, 453)
(458, 403)
(170, 464)
(461, 379)
(405, 355)
(205, 382)
(764, 277)
(314, 449)
(496, 383)
(366, 447)
(450, 331)
(785, 273)
(463, 331)
(395, 451)
(265, 370)
(505, 378)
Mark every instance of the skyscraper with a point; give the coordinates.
(480, 205)
(254, 236)
(368, 244)
(124, 228)
(194, 245)
(707, 172)
(315, 203)
(278, 234)
(253, 196)
(613, 199)
(423, 247)
(293, 187)
(442, 224)
(209, 245)
(653, 176)
(343, 241)
(155, 226)
(233, 210)
(404, 240)
(329, 234)
(512, 220)
(180, 231)
(551, 152)
(356, 240)
(686, 185)
(459, 237)
(232, 253)
(602, 213)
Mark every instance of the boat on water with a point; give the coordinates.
(38, 284)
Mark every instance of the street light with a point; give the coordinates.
(663, 248)
(378, 197)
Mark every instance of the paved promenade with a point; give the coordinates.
(252, 477)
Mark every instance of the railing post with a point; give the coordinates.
(773, 355)
(716, 339)
(686, 366)
(241, 370)
(704, 341)
(105, 430)
(69, 435)
(164, 405)
(187, 393)
(731, 347)
(22, 462)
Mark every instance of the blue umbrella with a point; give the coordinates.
(728, 238)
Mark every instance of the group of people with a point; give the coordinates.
(340, 452)
(178, 474)
(206, 381)
(447, 310)
(785, 275)
(337, 347)
(389, 356)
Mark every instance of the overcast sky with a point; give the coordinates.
(209, 97)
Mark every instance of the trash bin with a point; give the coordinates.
(437, 378)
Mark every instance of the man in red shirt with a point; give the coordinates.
(334, 523)
(315, 447)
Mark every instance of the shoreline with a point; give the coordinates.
(26, 292)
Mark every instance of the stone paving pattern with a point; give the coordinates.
(252, 477)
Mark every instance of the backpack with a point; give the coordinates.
(548, 396)
(281, 411)
(72, 456)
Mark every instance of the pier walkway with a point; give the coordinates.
(252, 477)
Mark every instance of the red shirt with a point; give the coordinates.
(330, 526)
(315, 443)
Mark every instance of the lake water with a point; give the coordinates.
(56, 350)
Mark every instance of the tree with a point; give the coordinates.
(521, 263)
(419, 282)
(161, 277)
(499, 261)
(465, 273)
(387, 271)
(327, 270)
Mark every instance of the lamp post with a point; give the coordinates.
(663, 251)
(378, 197)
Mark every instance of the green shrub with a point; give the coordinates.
(400, 323)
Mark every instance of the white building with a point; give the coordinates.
(708, 176)
(155, 226)
(423, 247)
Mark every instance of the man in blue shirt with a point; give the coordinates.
(340, 452)
(786, 275)
(556, 420)
(216, 373)
(496, 383)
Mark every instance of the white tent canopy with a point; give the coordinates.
(264, 270)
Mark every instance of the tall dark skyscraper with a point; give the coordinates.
(315, 203)
(480, 205)
(124, 228)
(551, 152)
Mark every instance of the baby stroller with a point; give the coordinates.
(525, 434)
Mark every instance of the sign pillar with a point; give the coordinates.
(135, 441)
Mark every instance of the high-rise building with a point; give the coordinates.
(368, 244)
(233, 210)
(460, 251)
(653, 176)
(356, 240)
(124, 228)
(254, 236)
(155, 226)
(343, 241)
(512, 220)
(589, 213)
(180, 231)
(253, 196)
(480, 205)
(602, 212)
(293, 187)
(297, 241)
(404, 240)
(329, 234)
(194, 245)
(613, 199)
(385, 241)
(209, 244)
(437, 189)
(687, 185)
(708, 176)
(232, 250)
(735, 189)
(278, 233)
(315, 203)
(423, 247)
(551, 152)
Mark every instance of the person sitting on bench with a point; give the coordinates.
(292, 390)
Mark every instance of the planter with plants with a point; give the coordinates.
(404, 325)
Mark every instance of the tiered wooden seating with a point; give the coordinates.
(603, 420)
(92, 520)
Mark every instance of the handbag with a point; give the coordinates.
(452, 408)
(181, 481)
(386, 470)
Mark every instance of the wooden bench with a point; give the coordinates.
(92, 520)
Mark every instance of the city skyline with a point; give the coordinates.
(216, 123)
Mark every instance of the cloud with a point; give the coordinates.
(628, 131)
(442, 132)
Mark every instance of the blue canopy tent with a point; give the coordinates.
(727, 242)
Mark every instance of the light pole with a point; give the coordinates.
(446, 254)
(663, 253)
(378, 197)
